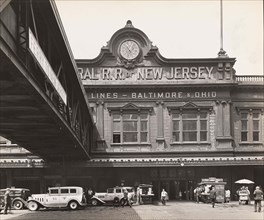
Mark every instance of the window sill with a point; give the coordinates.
(130, 144)
(190, 143)
(251, 143)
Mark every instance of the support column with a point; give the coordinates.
(223, 125)
(227, 118)
(219, 119)
(160, 126)
(100, 126)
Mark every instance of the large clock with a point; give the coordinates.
(129, 49)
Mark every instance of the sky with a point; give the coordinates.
(180, 29)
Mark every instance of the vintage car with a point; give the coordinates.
(18, 197)
(113, 195)
(70, 197)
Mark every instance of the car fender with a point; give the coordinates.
(40, 204)
(100, 200)
(79, 203)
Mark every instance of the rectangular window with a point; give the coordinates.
(130, 127)
(110, 190)
(250, 126)
(256, 130)
(116, 128)
(118, 190)
(72, 190)
(190, 126)
(244, 126)
(64, 190)
(54, 191)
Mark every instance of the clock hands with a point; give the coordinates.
(128, 48)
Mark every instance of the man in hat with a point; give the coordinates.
(213, 196)
(7, 201)
(258, 196)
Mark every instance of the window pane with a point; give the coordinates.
(244, 125)
(175, 115)
(130, 137)
(54, 191)
(255, 136)
(64, 190)
(203, 125)
(203, 115)
(130, 126)
(176, 125)
(189, 136)
(189, 115)
(143, 116)
(255, 125)
(189, 125)
(110, 190)
(244, 115)
(203, 136)
(116, 116)
(130, 117)
(144, 126)
(72, 190)
(243, 136)
(175, 136)
(116, 125)
(116, 138)
(143, 136)
(255, 115)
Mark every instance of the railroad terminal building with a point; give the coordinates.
(168, 122)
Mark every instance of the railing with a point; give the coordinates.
(249, 78)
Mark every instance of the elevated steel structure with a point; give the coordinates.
(43, 105)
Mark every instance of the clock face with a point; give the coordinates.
(129, 49)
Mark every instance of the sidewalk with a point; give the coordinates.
(173, 210)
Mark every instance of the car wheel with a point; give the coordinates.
(17, 205)
(33, 206)
(94, 202)
(122, 202)
(73, 205)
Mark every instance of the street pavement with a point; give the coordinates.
(172, 211)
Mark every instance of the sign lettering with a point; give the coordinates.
(152, 95)
(148, 73)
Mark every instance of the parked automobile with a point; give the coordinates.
(113, 195)
(18, 197)
(70, 197)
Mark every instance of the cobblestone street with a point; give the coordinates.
(172, 211)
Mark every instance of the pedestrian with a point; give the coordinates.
(248, 195)
(163, 196)
(258, 196)
(213, 196)
(138, 196)
(180, 195)
(7, 201)
(197, 192)
(227, 195)
(126, 199)
(90, 193)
